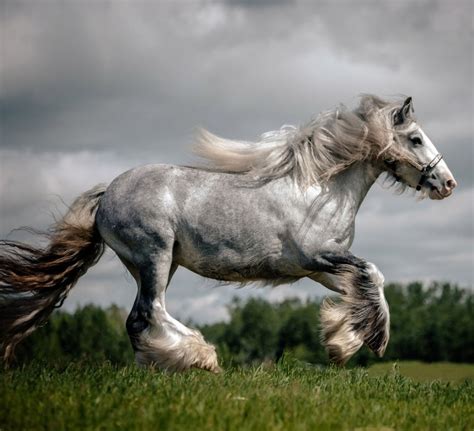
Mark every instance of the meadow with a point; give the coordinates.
(289, 395)
(77, 373)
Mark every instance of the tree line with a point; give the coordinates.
(428, 323)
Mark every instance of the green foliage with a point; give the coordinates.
(259, 331)
(432, 324)
(287, 396)
(428, 324)
(90, 334)
(71, 373)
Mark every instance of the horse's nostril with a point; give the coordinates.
(450, 184)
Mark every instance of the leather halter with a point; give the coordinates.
(425, 169)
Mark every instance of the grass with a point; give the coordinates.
(287, 396)
(422, 372)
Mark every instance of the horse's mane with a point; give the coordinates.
(315, 152)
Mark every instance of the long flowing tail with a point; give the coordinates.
(35, 280)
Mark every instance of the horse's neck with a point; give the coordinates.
(352, 185)
(325, 216)
(338, 202)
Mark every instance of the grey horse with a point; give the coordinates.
(272, 211)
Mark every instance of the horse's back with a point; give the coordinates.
(203, 216)
(148, 206)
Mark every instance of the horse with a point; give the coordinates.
(268, 212)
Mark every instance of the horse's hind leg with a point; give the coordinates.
(157, 338)
(362, 316)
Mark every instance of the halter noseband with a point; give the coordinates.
(425, 170)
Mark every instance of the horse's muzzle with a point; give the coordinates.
(444, 190)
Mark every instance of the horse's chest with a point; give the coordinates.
(332, 227)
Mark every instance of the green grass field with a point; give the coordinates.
(287, 396)
(420, 372)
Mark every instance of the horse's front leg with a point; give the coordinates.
(362, 315)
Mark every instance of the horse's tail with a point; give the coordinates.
(35, 280)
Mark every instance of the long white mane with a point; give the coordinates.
(313, 153)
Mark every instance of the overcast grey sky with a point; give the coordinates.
(92, 88)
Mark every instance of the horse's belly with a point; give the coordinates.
(241, 274)
(230, 265)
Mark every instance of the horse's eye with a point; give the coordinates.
(416, 140)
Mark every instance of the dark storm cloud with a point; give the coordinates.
(89, 89)
(259, 3)
(161, 68)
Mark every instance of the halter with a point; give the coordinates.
(425, 170)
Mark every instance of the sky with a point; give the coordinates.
(89, 89)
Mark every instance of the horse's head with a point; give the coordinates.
(421, 167)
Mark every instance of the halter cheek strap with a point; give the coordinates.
(425, 170)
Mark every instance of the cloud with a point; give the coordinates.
(32, 186)
(408, 240)
(101, 76)
(91, 89)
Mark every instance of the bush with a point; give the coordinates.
(429, 324)
(432, 323)
(90, 334)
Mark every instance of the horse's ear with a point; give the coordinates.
(401, 115)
